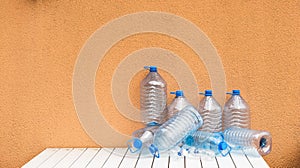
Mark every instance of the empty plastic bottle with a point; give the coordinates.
(211, 112)
(243, 138)
(208, 141)
(236, 112)
(153, 98)
(141, 138)
(173, 131)
(178, 103)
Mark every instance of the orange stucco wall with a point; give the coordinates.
(258, 42)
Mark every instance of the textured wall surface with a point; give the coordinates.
(258, 42)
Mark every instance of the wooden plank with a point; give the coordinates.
(162, 162)
(109, 157)
(258, 162)
(225, 161)
(56, 158)
(85, 158)
(129, 160)
(191, 161)
(209, 162)
(71, 157)
(255, 159)
(115, 158)
(145, 159)
(100, 158)
(42, 157)
(176, 162)
(240, 159)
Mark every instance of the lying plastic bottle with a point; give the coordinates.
(236, 111)
(240, 138)
(153, 100)
(173, 131)
(178, 103)
(208, 141)
(141, 138)
(211, 112)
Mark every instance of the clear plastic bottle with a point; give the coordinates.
(244, 138)
(208, 141)
(236, 112)
(178, 103)
(211, 112)
(173, 131)
(153, 98)
(141, 138)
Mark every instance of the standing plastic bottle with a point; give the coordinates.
(236, 112)
(153, 98)
(211, 112)
(141, 138)
(208, 141)
(244, 138)
(173, 131)
(178, 103)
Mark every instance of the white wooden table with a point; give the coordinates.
(121, 157)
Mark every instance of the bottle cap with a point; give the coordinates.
(189, 140)
(222, 145)
(208, 93)
(235, 92)
(151, 68)
(153, 124)
(153, 150)
(137, 143)
(178, 93)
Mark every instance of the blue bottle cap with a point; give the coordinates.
(152, 124)
(153, 69)
(189, 140)
(208, 93)
(137, 143)
(235, 92)
(222, 145)
(178, 93)
(153, 150)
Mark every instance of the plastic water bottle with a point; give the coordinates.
(208, 141)
(141, 138)
(173, 131)
(153, 98)
(178, 103)
(244, 138)
(236, 112)
(211, 112)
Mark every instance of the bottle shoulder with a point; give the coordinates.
(153, 79)
(178, 103)
(209, 103)
(236, 102)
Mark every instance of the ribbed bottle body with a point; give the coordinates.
(236, 113)
(153, 99)
(243, 138)
(211, 112)
(176, 105)
(206, 139)
(173, 131)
